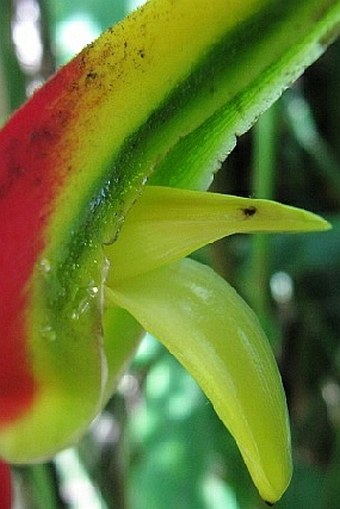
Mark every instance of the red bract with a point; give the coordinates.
(5, 486)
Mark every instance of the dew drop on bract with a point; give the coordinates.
(92, 291)
(47, 332)
(113, 229)
(83, 306)
(44, 266)
(84, 297)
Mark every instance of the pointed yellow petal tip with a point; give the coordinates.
(273, 217)
(271, 489)
(309, 221)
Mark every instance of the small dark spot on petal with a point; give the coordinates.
(249, 211)
(91, 75)
(269, 503)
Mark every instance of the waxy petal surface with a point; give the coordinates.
(167, 224)
(218, 339)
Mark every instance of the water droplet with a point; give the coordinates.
(92, 291)
(88, 243)
(83, 306)
(115, 180)
(112, 234)
(48, 333)
(83, 299)
(44, 266)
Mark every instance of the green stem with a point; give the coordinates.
(265, 148)
(264, 162)
(44, 488)
(13, 77)
(4, 99)
(48, 35)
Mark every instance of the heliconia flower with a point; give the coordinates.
(5, 486)
(91, 256)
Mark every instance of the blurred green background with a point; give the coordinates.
(159, 444)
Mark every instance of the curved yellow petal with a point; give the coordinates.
(218, 339)
(167, 224)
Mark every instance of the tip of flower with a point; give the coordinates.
(327, 225)
(316, 223)
(300, 220)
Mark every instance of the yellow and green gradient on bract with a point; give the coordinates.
(75, 158)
